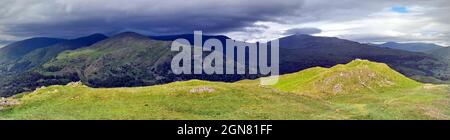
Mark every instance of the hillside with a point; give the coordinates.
(40, 56)
(127, 59)
(356, 76)
(17, 49)
(11, 53)
(441, 52)
(19, 61)
(402, 98)
(414, 47)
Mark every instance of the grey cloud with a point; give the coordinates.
(307, 31)
(369, 38)
(71, 18)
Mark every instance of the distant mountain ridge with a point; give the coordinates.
(415, 47)
(10, 54)
(131, 59)
(16, 50)
(189, 37)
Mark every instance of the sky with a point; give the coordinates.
(369, 21)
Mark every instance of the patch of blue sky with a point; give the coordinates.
(400, 9)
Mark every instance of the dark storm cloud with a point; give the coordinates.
(307, 31)
(72, 18)
(372, 20)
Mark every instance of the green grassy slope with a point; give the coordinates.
(402, 99)
(356, 76)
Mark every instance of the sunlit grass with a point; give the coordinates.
(245, 99)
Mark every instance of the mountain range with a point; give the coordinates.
(131, 59)
(415, 47)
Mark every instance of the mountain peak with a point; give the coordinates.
(189, 37)
(298, 36)
(97, 35)
(306, 41)
(129, 34)
(361, 62)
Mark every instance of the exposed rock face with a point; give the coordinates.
(4, 102)
(202, 90)
(75, 84)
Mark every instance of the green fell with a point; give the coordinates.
(356, 76)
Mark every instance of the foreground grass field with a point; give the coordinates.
(384, 95)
